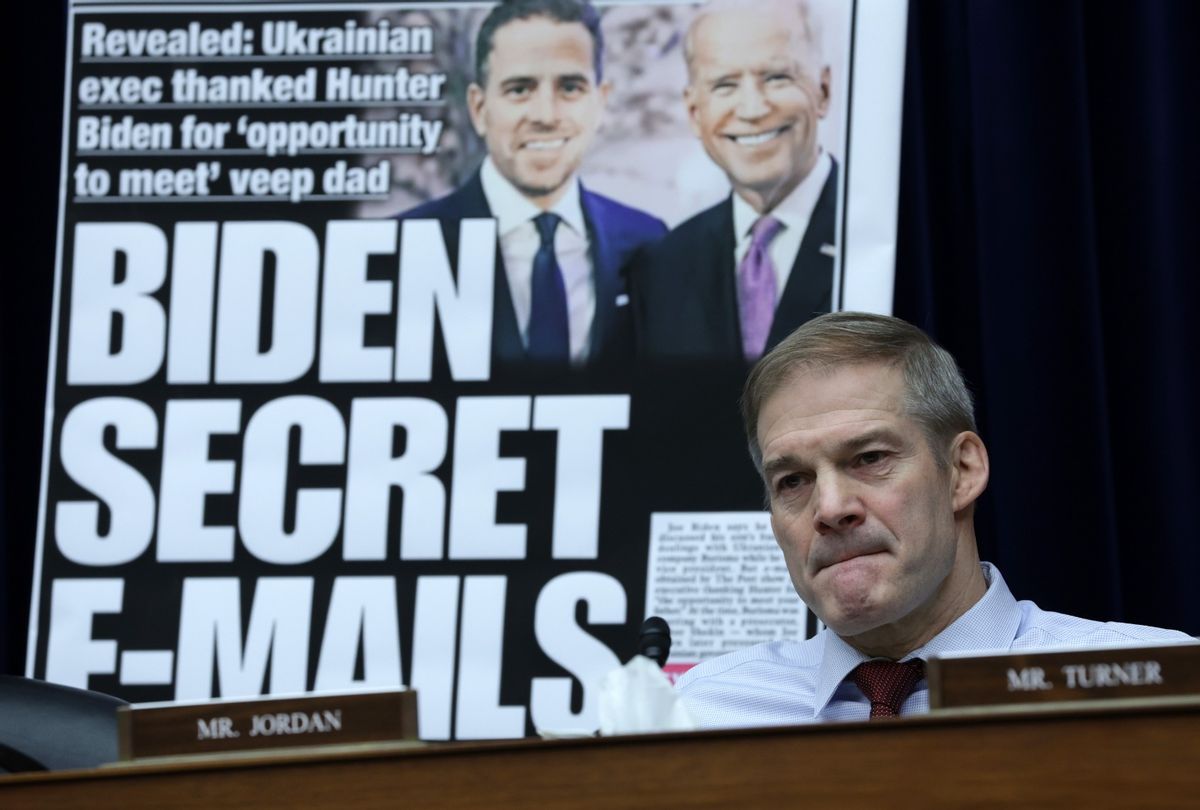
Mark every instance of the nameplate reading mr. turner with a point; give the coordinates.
(1107, 672)
(238, 725)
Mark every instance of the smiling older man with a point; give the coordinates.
(735, 279)
(537, 102)
(864, 434)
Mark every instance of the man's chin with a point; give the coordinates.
(849, 626)
(773, 186)
(535, 186)
(853, 611)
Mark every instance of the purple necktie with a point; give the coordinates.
(756, 288)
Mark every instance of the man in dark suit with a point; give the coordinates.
(560, 295)
(735, 279)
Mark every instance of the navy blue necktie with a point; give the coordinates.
(549, 334)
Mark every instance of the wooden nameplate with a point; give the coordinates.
(1061, 676)
(214, 726)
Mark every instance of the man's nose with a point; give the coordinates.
(751, 101)
(838, 506)
(543, 107)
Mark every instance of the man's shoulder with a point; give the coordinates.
(437, 208)
(767, 684)
(754, 661)
(610, 214)
(1046, 629)
(466, 200)
(699, 231)
(692, 247)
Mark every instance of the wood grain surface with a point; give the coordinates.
(1118, 755)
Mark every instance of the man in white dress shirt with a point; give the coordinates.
(864, 434)
(735, 279)
(537, 101)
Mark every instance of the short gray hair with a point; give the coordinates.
(809, 33)
(935, 394)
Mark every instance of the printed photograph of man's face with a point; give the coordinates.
(635, 110)
(538, 103)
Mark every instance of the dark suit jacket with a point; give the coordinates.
(615, 232)
(684, 288)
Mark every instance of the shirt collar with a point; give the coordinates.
(512, 209)
(795, 210)
(990, 624)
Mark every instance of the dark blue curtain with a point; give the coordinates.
(1049, 183)
(35, 48)
(1049, 190)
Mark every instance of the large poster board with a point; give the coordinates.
(309, 425)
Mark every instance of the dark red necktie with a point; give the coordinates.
(887, 684)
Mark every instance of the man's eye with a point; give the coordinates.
(517, 90)
(573, 88)
(791, 482)
(779, 78)
(870, 458)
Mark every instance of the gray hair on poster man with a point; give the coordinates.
(806, 31)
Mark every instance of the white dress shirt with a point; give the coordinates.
(794, 211)
(519, 243)
(788, 682)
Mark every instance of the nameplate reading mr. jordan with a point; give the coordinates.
(267, 723)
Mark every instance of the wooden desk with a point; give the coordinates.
(1094, 757)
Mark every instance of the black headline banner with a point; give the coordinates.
(300, 436)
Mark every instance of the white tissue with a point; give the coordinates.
(637, 698)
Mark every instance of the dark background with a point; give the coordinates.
(1048, 190)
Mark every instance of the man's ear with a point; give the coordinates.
(690, 101)
(475, 101)
(826, 90)
(969, 469)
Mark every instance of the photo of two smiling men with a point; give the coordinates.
(709, 233)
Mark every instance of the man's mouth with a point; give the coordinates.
(759, 137)
(831, 557)
(545, 146)
(841, 558)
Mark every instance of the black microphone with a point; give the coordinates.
(654, 642)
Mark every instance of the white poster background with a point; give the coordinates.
(721, 583)
(868, 36)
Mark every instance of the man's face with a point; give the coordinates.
(752, 104)
(541, 105)
(859, 505)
